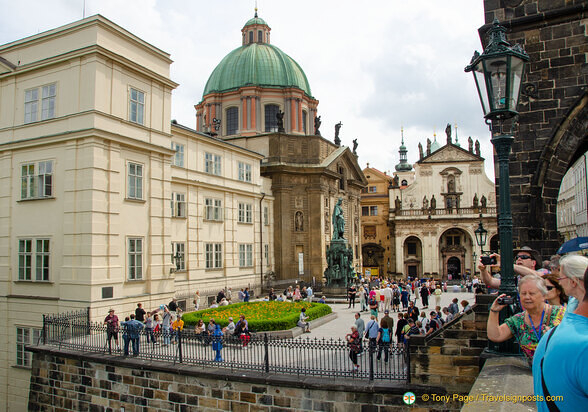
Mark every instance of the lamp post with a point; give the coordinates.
(498, 74)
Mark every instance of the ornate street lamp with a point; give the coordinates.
(481, 236)
(498, 74)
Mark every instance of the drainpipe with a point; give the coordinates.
(261, 241)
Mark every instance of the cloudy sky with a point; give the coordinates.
(375, 66)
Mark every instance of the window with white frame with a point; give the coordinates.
(135, 258)
(212, 164)
(178, 159)
(178, 205)
(135, 176)
(213, 209)
(36, 180)
(265, 215)
(372, 189)
(245, 255)
(25, 336)
(179, 255)
(245, 213)
(214, 255)
(244, 172)
(39, 249)
(46, 98)
(136, 106)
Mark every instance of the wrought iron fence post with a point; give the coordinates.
(407, 357)
(371, 352)
(44, 333)
(179, 344)
(266, 350)
(88, 320)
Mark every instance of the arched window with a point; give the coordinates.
(232, 116)
(260, 36)
(404, 182)
(304, 117)
(271, 121)
(251, 36)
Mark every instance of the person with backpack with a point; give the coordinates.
(371, 332)
(434, 323)
(384, 338)
(402, 321)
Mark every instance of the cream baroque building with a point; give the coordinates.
(435, 209)
(98, 189)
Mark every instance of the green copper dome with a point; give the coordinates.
(255, 20)
(256, 64)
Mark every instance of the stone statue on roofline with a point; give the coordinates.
(477, 148)
(355, 146)
(470, 145)
(337, 129)
(420, 151)
(280, 117)
(448, 133)
(428, 146)
(317, 126)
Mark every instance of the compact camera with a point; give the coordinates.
(488, 260)
(505, 300)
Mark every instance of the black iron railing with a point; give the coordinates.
(259, 352)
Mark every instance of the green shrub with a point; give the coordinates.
(261, 316)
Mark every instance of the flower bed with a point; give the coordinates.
(261, 316)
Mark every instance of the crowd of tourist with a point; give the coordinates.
(401, 297)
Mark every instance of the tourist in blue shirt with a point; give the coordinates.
(560, 368)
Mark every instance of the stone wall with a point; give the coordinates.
(553, 108)
(450, 357)
(68, 381)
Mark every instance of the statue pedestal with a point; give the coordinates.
(339, 272)
(334, 292)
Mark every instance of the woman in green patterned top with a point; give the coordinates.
(528, 326)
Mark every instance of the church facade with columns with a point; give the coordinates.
(434, 207)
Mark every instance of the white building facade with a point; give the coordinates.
(98, 189)
(434, 211)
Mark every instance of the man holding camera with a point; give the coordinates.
(527, 261)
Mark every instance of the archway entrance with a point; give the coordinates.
(455, 244)
(454, 267)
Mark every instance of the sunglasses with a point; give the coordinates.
(523, 257)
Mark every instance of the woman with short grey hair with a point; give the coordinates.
(528, 326)
(572, 269)
(538, 281)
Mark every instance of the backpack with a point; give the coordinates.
(386, 335)
(396, 293)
